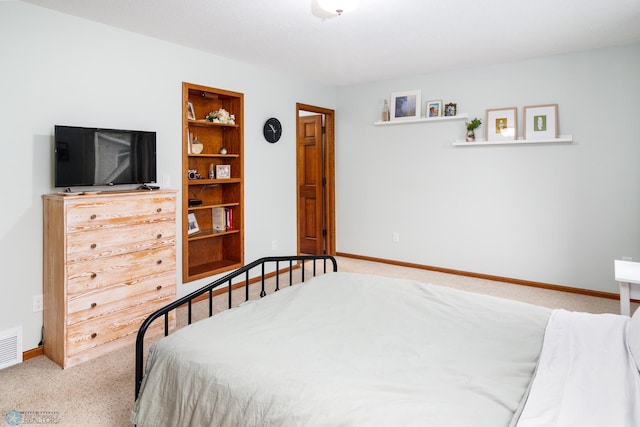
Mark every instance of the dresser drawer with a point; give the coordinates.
(156, 328)
(114, 241)
(92, 333)
(120, 298)
(99, 213)
(126, 269)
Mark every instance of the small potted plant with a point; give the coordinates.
(471, 127)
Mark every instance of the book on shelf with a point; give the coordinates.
(222, 219)
(229, 214)
(219, 219)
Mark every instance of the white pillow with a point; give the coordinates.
(633, 337)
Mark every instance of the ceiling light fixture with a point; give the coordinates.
(338, 7)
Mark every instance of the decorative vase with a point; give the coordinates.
(196, 146)
(471, 136)
(385, 111)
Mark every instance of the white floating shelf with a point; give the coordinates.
(462, 116)
(481, 142)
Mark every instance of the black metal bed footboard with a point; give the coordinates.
(228, 280)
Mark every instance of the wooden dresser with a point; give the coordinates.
(109, 261)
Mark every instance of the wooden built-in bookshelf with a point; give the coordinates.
(208, 252)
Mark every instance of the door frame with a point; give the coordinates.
(328, 173)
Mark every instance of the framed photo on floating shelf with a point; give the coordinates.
(501, 124)
(405, 105)
(450, 109)
(434, 108)
(541, 121)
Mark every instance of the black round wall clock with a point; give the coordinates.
(272, 130)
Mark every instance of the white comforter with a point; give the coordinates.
(586, 375)
(348, 350)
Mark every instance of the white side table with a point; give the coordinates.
(628, 275)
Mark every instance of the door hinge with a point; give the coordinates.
(324, 129)
(324, 232)
(324, 181)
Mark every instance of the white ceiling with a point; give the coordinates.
(381, 39)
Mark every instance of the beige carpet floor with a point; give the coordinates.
(101, 392)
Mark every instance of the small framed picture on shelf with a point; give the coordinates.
(434, 108)
(541, 121)
(501, 124)
(450, 109)
(192, 224)
(405, 105)
(191, 113)
(223, 171)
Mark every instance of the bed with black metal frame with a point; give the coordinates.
(351, 349)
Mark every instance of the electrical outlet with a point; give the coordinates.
(166, 181)
(396, 237)
(37, 303)
(274, 245)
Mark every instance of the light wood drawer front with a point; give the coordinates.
(92, 333)
(120, 297)
(106, 213)
(156, 328)
(127, 269)
(115, 241)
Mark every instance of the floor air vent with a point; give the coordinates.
(10, 347)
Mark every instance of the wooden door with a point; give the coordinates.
(310, 184)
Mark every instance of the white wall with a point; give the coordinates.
(58, 69)
(557, 214)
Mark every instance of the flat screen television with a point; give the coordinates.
(95, 157)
